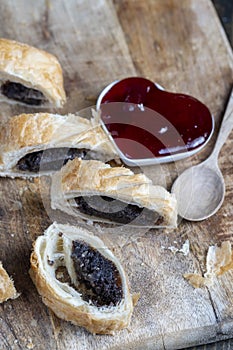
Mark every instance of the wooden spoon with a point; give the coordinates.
(200, 190)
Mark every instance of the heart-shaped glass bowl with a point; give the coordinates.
(149, 125)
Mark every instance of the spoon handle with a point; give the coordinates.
(225, 129)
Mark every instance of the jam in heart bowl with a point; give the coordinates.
(150, 125)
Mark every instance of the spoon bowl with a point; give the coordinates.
(200, 190)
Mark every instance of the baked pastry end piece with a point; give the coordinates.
(30, 76)
(95, 191)
(81, 280)
(39, 143)
(7, 289)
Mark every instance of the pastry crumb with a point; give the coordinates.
(7, 289)
(218, 261)
(135, 298)
(173, 249)
(185, 249)
(197, 280)
(30, 344)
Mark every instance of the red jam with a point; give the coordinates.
(147, 122)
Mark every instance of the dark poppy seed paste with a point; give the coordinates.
(53, 159)
(98, 278)
(115, 210)
(19, 92)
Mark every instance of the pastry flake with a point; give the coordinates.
(218, 261)
(81, 280)
(197, 281)
(96, 191)
(35, 144)
(30, 76)
(7, 288)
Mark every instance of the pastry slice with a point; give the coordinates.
(30, 76)
(7, 288)
(94, 190)
(80, 279)
(33, 144)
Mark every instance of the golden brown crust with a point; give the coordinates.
(63, 299)
(28, 133)
(7, 289)
(33, 68)
(84, 178)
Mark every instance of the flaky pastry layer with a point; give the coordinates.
(33, 68)
(90, 177)
(52, 250)
(27, 133)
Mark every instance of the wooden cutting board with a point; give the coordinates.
(182, 46)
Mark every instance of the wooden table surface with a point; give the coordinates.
(181, 45)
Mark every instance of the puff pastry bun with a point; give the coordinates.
(26, 134)
(7, 288)
(91, 189)
(80, 279)
(30, 76)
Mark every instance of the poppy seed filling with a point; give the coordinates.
(19, 92)
(115, 210)
(50, 159)
(98, 279)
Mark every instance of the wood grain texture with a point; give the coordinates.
(181, 45)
